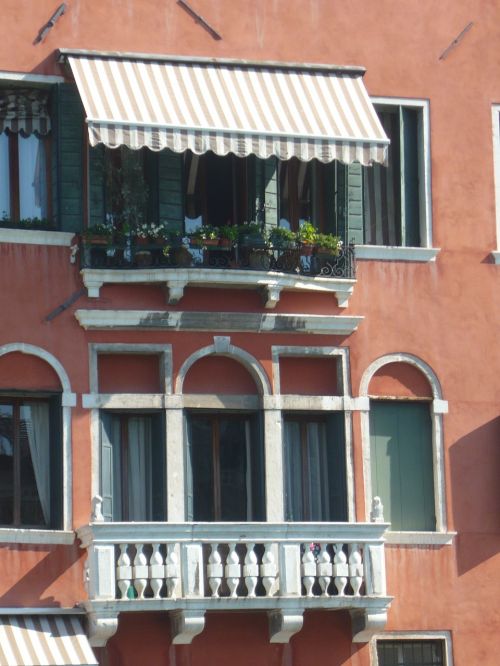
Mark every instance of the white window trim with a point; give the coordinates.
(495, 120)
(425, 192)
(438, 408)
(444, 636)
(68, 401)
(36, 237)
(24, 77)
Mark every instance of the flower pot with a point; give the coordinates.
(306, 249)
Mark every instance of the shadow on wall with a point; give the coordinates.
(475, 487)
(30, 587)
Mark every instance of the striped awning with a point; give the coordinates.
(24, 110)
(33, 640)
(228, 107)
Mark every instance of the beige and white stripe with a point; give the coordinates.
(44, 640)
(229, 108)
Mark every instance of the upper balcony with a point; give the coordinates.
(218, 262)
(190, 568)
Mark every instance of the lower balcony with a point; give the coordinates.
(190, 568)
(266, 267)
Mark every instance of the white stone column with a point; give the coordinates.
(273, 449)
(176, 481)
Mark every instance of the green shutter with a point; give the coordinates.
(110, 465)
(339, 188)
(330, 196)
(410, 212)
(401, 462)
(96, 186)
(68, 154)
(354, 197)
(270, 192)
(170, 191)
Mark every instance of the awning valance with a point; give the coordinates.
(227, 107)
(31, 640)
(25, 110)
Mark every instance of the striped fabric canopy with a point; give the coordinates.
(226, 107)
(33, 640)
(25, 110)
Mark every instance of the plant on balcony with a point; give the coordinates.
(282, 238)
(328, 244)
(100, 234)
(204, 236)
(150, 232)
(34, 223)
(228, 234)
(251, 234)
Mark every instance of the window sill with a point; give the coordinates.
(496, 257)
(36, 536)
(420, 538)
(394, 253)
(36, 237)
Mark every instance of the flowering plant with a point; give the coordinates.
(151, 230)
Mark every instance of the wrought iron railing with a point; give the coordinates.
(294, 259)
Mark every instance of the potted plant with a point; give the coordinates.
(251, 234)
(204, 236)
(282, 238)
(328, 244)
(99, 234)
(228, 235)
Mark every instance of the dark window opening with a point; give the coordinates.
(410, 653)
(226, 468)
(315, 468)
(30, 462)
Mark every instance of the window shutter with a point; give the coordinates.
(56, 463)
(410, 213)
(401, 461)
(170, 191)
(354, 197)
(96, 186)
(109, 469)
(270, 192)
(257, 468)
(68, 154)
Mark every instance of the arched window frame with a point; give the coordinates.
(438, 408)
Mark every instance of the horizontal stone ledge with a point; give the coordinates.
(217, 321)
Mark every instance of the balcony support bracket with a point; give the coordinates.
(284, 624)
(271, 296)
(185, 625)
(367, 623)
(101, 626)
(175, 291)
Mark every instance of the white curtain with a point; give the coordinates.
(318, 471)
(4, 177)
(32, 177)
(36, 418)
(139, 469)
(294, 481)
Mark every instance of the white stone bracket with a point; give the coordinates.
(175, 290)
(366, 623)
(284, 624)
(101, 626)
(185, 625)
(271, 295)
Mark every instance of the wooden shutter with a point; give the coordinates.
(348, 202)
(401, 462)
(110, 467)
(96, 181)
(267, 190)
(170, 190)
(68, 143)
(337, 486)
(410, 211)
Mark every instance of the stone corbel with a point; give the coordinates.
(93, 286)
(284, 624)
(175, 291)
(343, 294)
(271, 295)
(367, 623)
(185, 625)
(101, 627)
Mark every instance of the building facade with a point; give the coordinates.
(249, 406)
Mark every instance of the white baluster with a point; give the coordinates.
(355, 568)
(141, 570)
(324, 569)
(124, 572)
(171, 569)
(268, 569)
(251, 570)
(214, 570)
(232, 570)
(308, 570)
(156, 570)
(340, 568)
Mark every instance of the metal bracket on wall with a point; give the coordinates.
(456, 41)
(50, 23)
(199, 19)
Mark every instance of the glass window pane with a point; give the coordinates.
(6, 465)
(235, 486)
(4, 177)
(32, 177)
(202, 468)
(34, 448)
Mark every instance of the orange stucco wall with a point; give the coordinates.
(446, 312)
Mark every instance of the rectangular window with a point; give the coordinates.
(25, 169)
(410, 653)
(401, 461)
(132, 466)
(315, 468)
(225, 468)
(30, 462)
(394, 196)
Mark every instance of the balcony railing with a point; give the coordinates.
(293, 259)
(282, 568)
